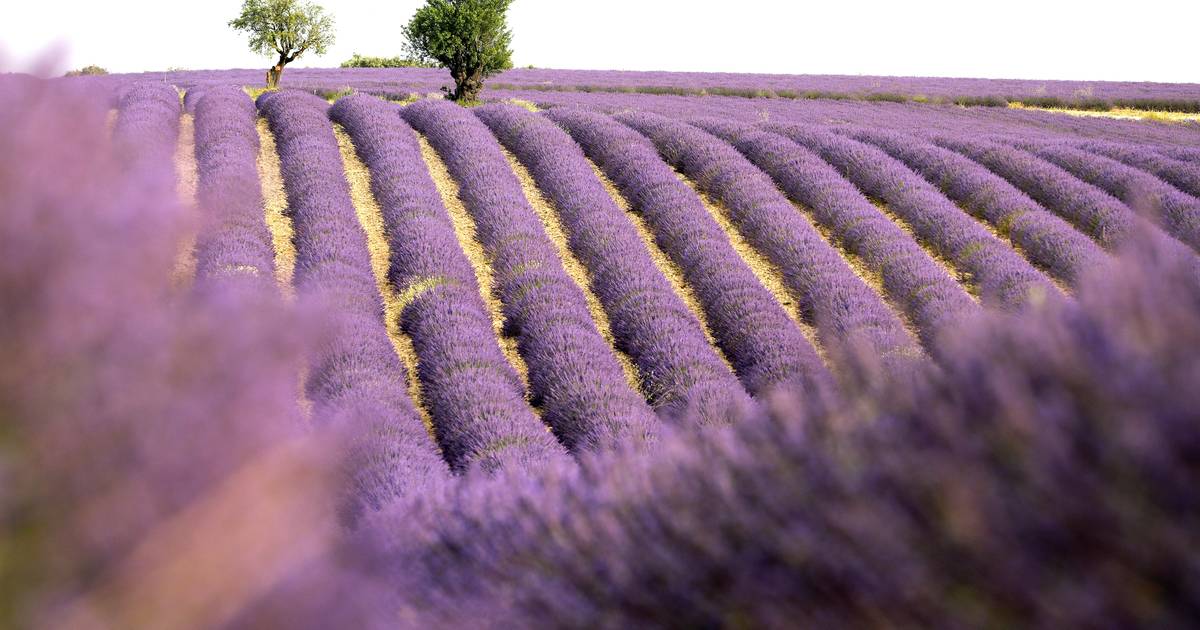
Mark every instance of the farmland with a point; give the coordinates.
(647, 348)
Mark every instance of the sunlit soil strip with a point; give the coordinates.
(464, 229)
(110, 121)
(574, 268)
(370, 216)
(767, 273)
(1119, 113)
(871, 277)
(186, 179)
(962, 278)
(529, 105)
(275, 206)
(666, 266)
(279, 224)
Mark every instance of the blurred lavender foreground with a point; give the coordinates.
(155, 470)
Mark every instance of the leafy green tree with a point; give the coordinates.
(469, 37)
(288, 28)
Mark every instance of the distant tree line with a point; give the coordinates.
(87, 71)
(362, 61)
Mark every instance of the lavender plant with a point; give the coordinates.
(1093, 211)
(679, 369)
(764, 346)
(1044, 479)
(908, 275)
(355, 381)
(147, 128)
(1176, 212)
(1181, 173)
(234, 244)
(1179, 153)
(573, 373)
(1047, 240)
(475, 397)
(133, 417)
(1004, 278)
(155, 470)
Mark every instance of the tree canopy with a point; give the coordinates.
(287, 28)
(471, 38)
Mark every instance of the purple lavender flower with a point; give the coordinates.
(355, 381)
(1005, 279)
(1184, 174)
(135, 416)
(651, 323)
(1061, 438)
(1043, 237)
(1178, 213)
(474, 396)
(1092, 211)
(573, 372)
(764, 346)
(234, 244)
(842, 300)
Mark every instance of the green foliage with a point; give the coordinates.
(361, 61)
(87, 71)
(288, 28)
(1160, 104)
(471, 38)
(981, 101)
(890, 97)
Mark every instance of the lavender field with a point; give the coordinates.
(728, 353)
(399, 82)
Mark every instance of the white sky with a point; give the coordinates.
(1027, 39)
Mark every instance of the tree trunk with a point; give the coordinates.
(276, 71)
(467, 86)
(273, 76)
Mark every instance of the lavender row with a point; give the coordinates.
(146, 130)
(1005, 279)
(234, 244)
(1093, 211)
(1182, 174)
(869, 88)
(679, 369)
(924, 291)
(1183, 154)
(474, 396)
(1176, 212)
(764, 346)
(1055, 446)
(917, 119)
(830, 294)
(356, 382)
(1043, 237)
(573, 372)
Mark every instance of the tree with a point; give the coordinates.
(469, 37)
(288, 28)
